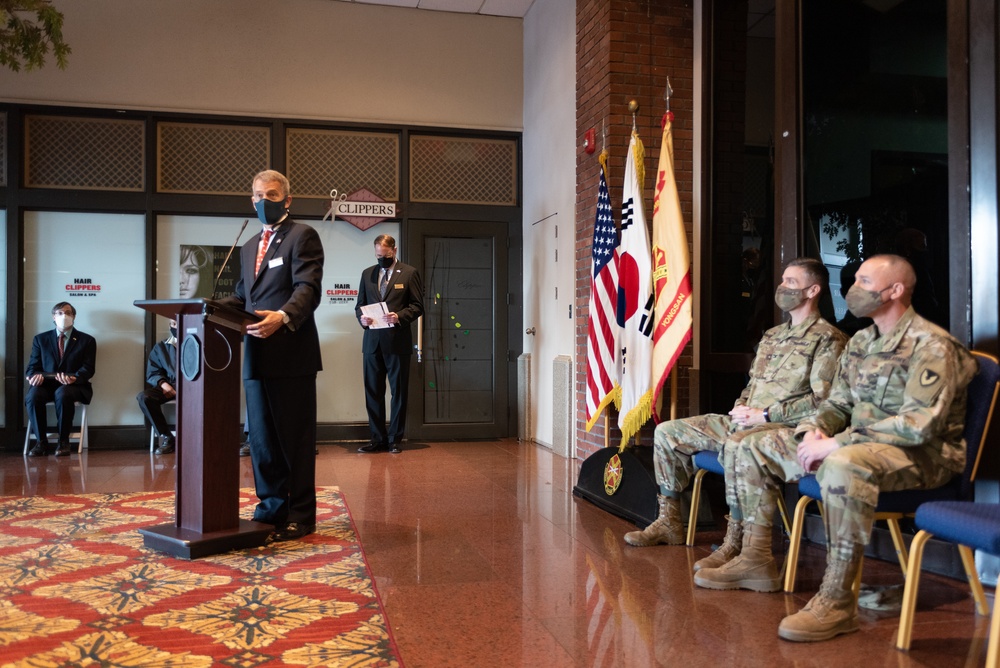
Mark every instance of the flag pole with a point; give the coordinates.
(671, 272)
(607, 420)
(673, 393)
(673, 371)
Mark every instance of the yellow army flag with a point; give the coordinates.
(671, 270)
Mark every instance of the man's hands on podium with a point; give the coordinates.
(272, 322)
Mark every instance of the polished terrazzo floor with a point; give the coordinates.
(483, 557)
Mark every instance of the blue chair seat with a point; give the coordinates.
(893, 506)
(903, 501)
(969, 526)
(708, 461)
(974, 524)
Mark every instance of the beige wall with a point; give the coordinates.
(343, 61)
(312, 59)
(549, 228)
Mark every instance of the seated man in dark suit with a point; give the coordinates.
(161, 379)
(59, 370)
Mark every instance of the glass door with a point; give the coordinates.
(459, 387)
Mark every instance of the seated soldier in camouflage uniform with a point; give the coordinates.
(790, 375)
(893, 421)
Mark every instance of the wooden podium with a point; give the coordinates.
(207, 517)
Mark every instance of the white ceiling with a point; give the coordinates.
(515, 8)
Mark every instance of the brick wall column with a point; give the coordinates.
(625, 51)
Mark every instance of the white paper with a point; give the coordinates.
(378, 313)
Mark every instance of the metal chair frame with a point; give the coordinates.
(707, 461)
(809, 488)
(932, 514)
(80, 435)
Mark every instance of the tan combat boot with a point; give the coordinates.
(667, 528)
(753, 569)
(833, 610)
(729, 549)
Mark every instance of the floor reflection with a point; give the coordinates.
(482, 556)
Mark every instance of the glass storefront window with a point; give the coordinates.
(190, 252)
(876, 140)
(3, 309)
(95, 262)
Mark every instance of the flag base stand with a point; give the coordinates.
(635, 497)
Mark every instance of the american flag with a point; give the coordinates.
(602, 337)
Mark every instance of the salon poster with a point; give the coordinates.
(200, 265)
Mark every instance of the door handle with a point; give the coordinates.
(420, 338)
(530, 330)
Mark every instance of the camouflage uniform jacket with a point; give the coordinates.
(906, 388)
(794, 369)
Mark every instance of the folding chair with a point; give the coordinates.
(971, 526)
(893, 506)
(80, 436)
(152, 429)
(707, 461)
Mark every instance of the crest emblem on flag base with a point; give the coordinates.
(635, 495)
(612, 475)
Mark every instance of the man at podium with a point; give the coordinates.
(281, 280)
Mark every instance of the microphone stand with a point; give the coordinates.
(215, 285)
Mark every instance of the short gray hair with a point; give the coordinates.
(271, 175)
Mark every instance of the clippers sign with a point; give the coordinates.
(342, 293)
(362, 208)
(82, 287)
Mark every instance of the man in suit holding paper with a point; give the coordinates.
(388, 342)
(59, 370)
(281, 281)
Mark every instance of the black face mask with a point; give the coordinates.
(268, 212)
(173, 332)
(386, 262)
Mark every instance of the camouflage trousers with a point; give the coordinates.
(850, 479)
(676, 441)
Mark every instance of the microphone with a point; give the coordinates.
(215, 285)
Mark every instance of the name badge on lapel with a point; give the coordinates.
(276, 262)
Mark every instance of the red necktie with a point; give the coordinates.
(61, 345)
(265, 239)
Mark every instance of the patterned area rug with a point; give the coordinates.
(78, 588)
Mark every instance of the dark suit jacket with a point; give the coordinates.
(79, 357)
(162, 365)
(290, 280)
(405, 299)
